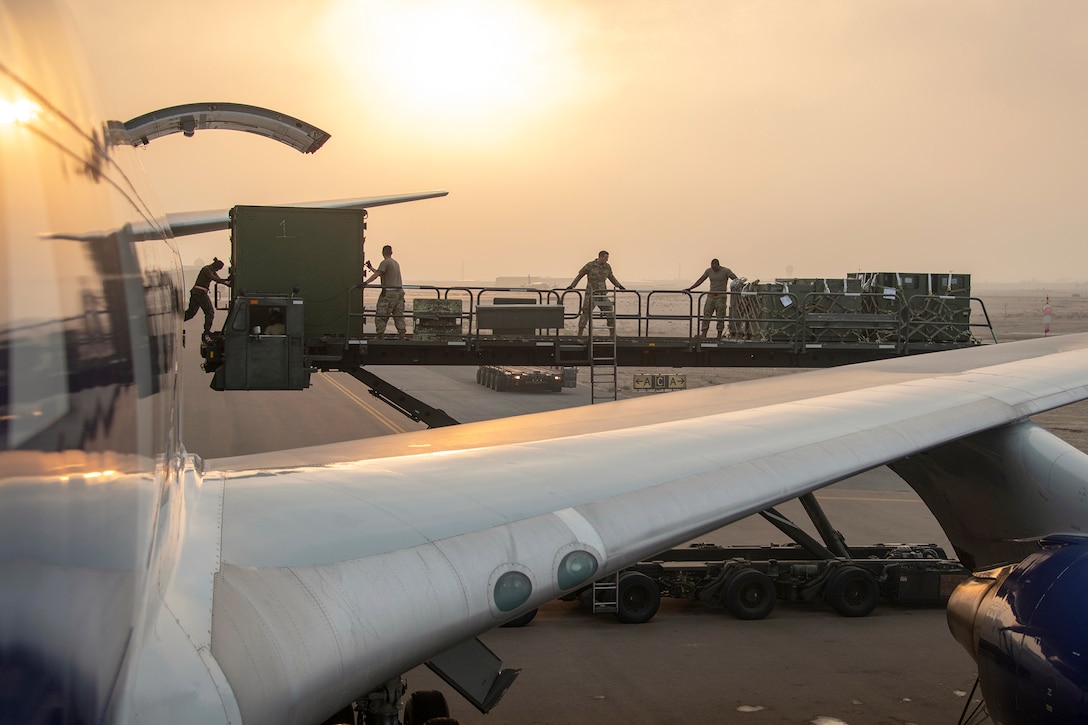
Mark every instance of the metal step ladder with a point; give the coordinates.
(603, 378)
(606, 595)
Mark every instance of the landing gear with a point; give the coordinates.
(424, 705)
(381, 706)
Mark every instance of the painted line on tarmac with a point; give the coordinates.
(833, 497)
(365, 404)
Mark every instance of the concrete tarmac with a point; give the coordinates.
(691, 663)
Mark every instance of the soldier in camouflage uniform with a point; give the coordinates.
(596, 273)
(716, 299)
(391, 300)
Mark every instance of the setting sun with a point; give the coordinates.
(22, 111)
(455, 62)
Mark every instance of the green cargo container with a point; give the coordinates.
(824, 294)
(944, 315)
(956, 285)
(782, 310)
(318, 251)
(936, 307)
(828, 306)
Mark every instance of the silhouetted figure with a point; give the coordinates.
(200, 295)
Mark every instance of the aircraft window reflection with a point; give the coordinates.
(21, 111)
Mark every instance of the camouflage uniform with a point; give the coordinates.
(390, 304)
(717, 299)
(596, 274)
(391, 300)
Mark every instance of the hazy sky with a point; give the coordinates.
(807, 138)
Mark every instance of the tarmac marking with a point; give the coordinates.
(365, 404)
(832, 497)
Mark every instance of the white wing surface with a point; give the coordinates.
(198, 222)
(354, 562)
(181, 224)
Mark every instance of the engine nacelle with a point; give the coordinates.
(1027, 628)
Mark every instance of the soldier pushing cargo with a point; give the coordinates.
(391, 299)
(596, 272)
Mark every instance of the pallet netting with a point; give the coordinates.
(935, 307)
(936, 319)
(782, 314)
(828, 304)
(746, 311)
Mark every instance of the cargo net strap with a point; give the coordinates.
(938, 320)
(841, 318)
(749, 313)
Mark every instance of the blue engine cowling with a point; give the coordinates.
(1027, 627)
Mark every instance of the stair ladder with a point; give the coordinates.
(606, 594)
(603, 378)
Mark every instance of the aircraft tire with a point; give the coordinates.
(423, 705)
(520, 621)
(637, 599)
(750, 594)
(853, 592)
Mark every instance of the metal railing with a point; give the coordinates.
(771, 317)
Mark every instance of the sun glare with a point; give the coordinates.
(22, 111)
(473, 60)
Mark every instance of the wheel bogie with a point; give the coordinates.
(750, 594)
(852, 591)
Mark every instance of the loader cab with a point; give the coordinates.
(262, 339)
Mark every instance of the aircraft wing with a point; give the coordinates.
(342, 566)
(181, 224)
(186, 223)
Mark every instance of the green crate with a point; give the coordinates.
(436, 320)
(275, 250)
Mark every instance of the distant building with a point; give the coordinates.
(527, 280)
